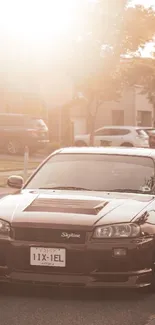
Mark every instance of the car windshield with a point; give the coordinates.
(95, 172)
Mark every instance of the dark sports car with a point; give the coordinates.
(86, 217)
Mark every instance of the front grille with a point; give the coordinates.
(48, 235)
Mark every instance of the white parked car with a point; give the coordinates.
(125, 136)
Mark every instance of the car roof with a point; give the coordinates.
(126, 127)
(142, 152)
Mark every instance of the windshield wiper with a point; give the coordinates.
(128, 190)
(71, 188)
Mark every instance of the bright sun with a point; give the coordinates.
(36, 20)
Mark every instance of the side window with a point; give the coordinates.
(120, 132)
(11, 121)
(112, 132)
(103, 132)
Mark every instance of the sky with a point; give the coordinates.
(150, 47)
(145, 2)
(27, 44)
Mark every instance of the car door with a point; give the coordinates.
(103, 137)
(119, 136)
(123, 137)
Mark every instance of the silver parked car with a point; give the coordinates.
(125, 136)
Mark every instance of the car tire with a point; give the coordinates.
(126, 144)
(13, 147)
(80, 143)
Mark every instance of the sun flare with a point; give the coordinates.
(37, 20)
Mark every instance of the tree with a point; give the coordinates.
(140, 71)
(109, 30)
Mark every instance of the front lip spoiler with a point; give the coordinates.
(70, 280)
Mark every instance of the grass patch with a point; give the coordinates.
(9, 165)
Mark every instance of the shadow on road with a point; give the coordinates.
(54, 293)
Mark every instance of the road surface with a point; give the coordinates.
(42, 306)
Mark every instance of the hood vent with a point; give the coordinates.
(90, 207)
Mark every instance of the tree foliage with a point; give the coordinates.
(110, 30)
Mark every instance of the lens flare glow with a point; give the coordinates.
(36, 20)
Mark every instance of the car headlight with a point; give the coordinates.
(123, 230)
(4, 228)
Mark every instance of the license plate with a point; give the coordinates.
(40, 256)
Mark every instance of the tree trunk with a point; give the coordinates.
(92, 131)
(93, 121)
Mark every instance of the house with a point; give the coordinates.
(133, 109)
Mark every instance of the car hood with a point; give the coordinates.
(67, 208)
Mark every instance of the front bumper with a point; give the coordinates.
(137, 279)
(91, 265)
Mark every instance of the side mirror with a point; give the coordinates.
(15, 182)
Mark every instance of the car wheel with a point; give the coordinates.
(126, 144)
(80, 143)
(13, 147)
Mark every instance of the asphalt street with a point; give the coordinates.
(46, 306)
